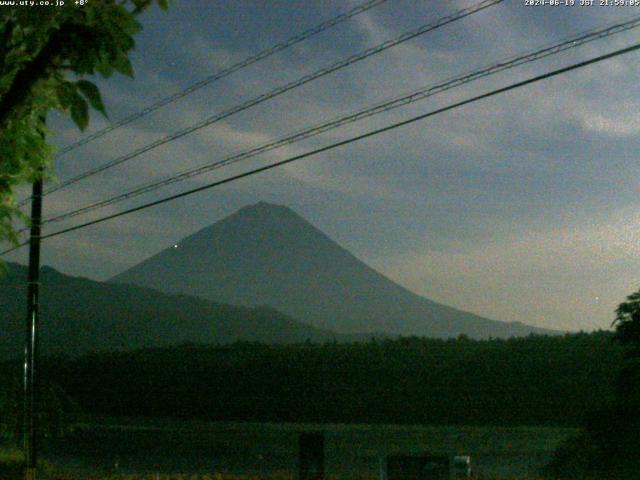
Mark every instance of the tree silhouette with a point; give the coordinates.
(607, 447)
(627, 323)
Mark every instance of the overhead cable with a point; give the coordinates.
(278, 91)
(225, 73)
(396, 102)
(348, 141)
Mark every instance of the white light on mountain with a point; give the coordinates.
(175, 246)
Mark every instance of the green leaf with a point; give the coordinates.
(125, 21)
(104, 69)
(69, 98)
(140, 4)
(163, 4)
(123, 42)
(106, 54)
(80, 112)
(122, 65)
(83, 61)
(90, 13)
(91, 92)
(66, 93)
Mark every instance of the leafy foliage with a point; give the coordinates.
(627, 323)
(607, 447)
(40, 51)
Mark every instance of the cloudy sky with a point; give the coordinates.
(523, 206)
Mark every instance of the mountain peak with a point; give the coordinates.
(263, 208)
(261, 225)
(264, 205)
(267, 254)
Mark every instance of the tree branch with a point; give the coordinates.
(17, 95)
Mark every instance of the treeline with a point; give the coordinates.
(523, 381)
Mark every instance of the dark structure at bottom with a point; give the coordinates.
(311, 448)
(417, 467)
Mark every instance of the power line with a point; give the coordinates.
(280, 90)
(226, 72)
(343, 142)
(219, 75)
(425, 92)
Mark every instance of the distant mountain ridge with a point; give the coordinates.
(79, 315)
(267, 254)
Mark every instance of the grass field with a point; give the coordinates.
(239, 450)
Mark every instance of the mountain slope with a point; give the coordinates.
(81, 315)
(268, 255)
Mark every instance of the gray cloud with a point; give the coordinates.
(519, 207)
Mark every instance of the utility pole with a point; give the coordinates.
(30, 430)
